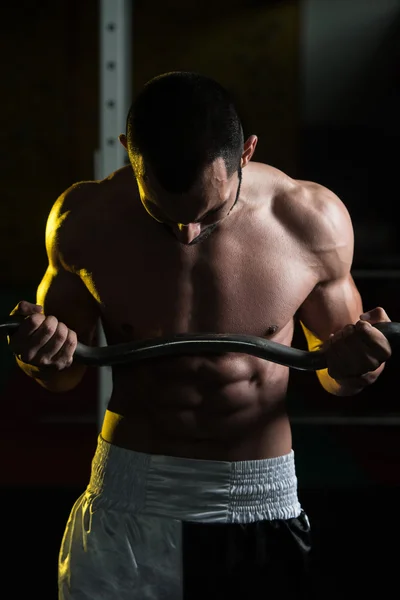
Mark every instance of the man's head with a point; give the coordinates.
(185, 142)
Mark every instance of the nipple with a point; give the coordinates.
(272, 329)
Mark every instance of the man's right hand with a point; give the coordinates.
(42, 341)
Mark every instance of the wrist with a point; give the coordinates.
(52, 379)
(347, 386)
(360, 382)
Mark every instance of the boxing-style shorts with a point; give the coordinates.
(154, 527)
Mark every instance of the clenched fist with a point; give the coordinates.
(358, 349)
(42, 341)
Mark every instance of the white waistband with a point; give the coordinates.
(191, 489)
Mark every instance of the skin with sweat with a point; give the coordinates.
(244, 254)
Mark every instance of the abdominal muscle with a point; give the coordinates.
(229, 407)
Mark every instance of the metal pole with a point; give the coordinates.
(115, 97)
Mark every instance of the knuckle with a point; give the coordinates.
(61, 332)
(348, 329)
(36, 320)
(68, 362)
(49, 325)
(63, 362)
(44, 361)
(71, 340)
(381, 314)
(23, 307)
(365, 329)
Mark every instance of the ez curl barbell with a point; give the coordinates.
(204, 343)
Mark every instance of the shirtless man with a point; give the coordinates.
(193, 491)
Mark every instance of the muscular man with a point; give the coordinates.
(193, 490)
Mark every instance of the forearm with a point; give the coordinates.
(53, 380)
(350, 386)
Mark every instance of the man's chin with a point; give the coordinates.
(203, 235)
(200, 238)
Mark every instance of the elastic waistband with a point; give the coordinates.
(191, 489)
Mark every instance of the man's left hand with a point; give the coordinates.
(358, 349)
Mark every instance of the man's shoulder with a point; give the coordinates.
(290, 189)
(66, 220)
(310, 213)
(77, 196)
(70, 212)
(87, 199)
(315, 211)
(313, 217)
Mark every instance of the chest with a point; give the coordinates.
(230, 284)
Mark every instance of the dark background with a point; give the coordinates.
(318, 81)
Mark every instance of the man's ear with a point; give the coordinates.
(248, 150)
(123, 140)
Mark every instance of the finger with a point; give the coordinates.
(25, 308)
(20, 338)
(32, 338)
(65, 356)
(350, 356)
(341, 365)
(353, 361)
(367, 348)
(376, 315)
(338, 353)
(46, 354)
(345, 332)
(373, 340)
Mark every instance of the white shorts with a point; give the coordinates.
(157, 527)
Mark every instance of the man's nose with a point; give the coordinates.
(187, 233)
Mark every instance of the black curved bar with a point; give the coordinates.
(204, 343)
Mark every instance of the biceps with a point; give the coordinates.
(330, 307)
(65, 296)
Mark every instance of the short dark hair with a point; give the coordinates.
(180, 122)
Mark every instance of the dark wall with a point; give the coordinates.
(49, 127)
(354, 151)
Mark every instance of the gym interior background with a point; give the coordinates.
(319, 82)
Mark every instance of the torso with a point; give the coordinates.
(249, 277)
